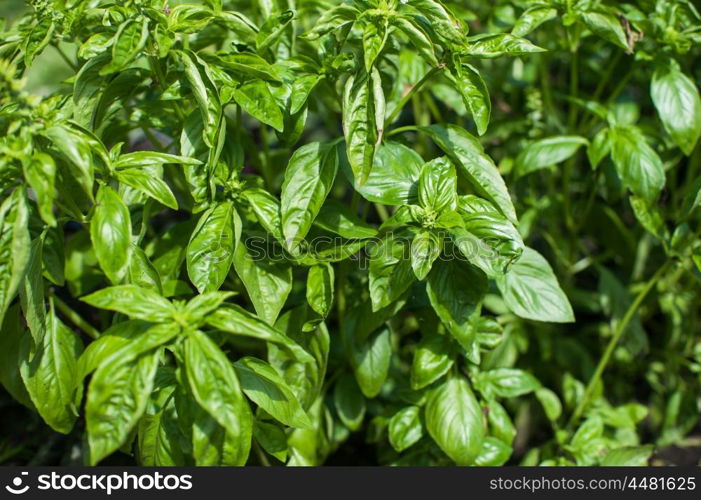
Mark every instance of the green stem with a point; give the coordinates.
(65, 57)
(615, 339)
(75, 318)
(412, 91)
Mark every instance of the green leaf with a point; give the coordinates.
(14, 246)
(117, 398)
(599, 147)
(32, 293)
(215, 387)
(370, 359)
(264, 386)
(505, 383)
(442, 20)
(12, 335)
(501, 44)
(433, 357)
(493, 453)
(130, 39)
(637, 164)
(487, 239)
(417, 37)
(272, 438)
(76, 150)
(308, 179)
(454, 420)
(160, 437)
(349, 402)
(110, 232)
(394, 177)
(474, 92)
(206, 95)
(425, 249)
(359, 126)
(211, 247)
(606, 26)
(469, 156)
(550, 402)
(455, 289)
(255, 98)
(530, 289)
(142, 273)
(547, 152)
(340, 219)
(405, 428)
(142, 159)
(267, 210)
(630, 456)
(320, 286)
(677, 101)
(390, 270)
(438, 186)
(532, 18)
(374, 38)
(149, 184)
(235, 320)
(133, 301)
(49, 370)
(40, 172)
(500, 424)
(268, 283)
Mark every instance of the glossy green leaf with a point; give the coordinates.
(211, 247)
(264, 386)
(433, 357)
(547, 152)
(110, 232)
(531, 290)
(349, 402)
(454, 420)
(215, 386)
(308, 179)
(405, 428)
(678, 104)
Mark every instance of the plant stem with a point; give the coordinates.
(65, 57)
(412, 91)
(75, 318)
(615, 338)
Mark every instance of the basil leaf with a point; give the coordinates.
(48, 370)
(40, 173)
(358, 126)
(405, 428)
(394, 177)
(425, 249)
(470, 159)
(532, 18)
(110, 232)
(474, 92)
(547, 152)
(637, 164)
(133, 301)
(455, 289)
(370, 359)
(117, 399)
(606, 26)
(255, 98)
(390, 270)
(454, 420)
(215, 386)
(264, 386)
(209, 252)
(505, 383)
(678, 104)
(530, 289)
(308, 179)
(148, 184)
(500, 44)
(433, 358)
(14, 247)
(349, 402)
(320, 283)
